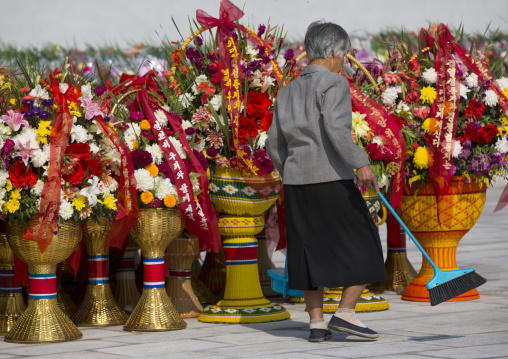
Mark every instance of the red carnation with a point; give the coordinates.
(474, 110)
(258, 104)
(216, 78)
(95, 168)
(412, 97)
(20, 177)
(79, 150)
(488, 133)
(247, 127)
(266, 121)
(78, 175)
(471, 133)
(374, 151)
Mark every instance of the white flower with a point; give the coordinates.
(63, 87)
(402, 107)
(91, 191)
(502, 145)
(262, 139)
(252, 52)
(503, 83)
(132, 134)
(94, 148)
(39, 158)
(4, 176)
(200, 146)
(186, 124)
(5, 130)
(165, 107)
(430, 76)
(79, 134)
(3, 191)
(269, 81)
(390, 95)
(185, 100)
(86, 91)
(163, 187)
(161, 116)
(39, 92)
(178, 147)
(457, 148)
(472, 80)
(113, 185)
(377, 140)
(360, 126)
(195, 184)
(383, 181)
(248, 191)
(156, 152)
(281, 61)
(144, 181)
(216, 102)
(490, 99)
(230, 189)
(66, 210)
(199, 79)
(464, 91)
(213, 187)
(27, 134)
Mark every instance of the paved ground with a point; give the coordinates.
(475, 329)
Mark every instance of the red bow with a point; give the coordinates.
(228, 14)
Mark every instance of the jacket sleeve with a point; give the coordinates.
(276, 145)
(337, 121)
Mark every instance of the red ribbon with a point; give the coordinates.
(201, 218)
(127, 193)
(389, 129)
(43, 226)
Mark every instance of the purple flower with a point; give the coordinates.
(266, 59)
(141, 158)
(202, 159)
(465, 152)
(169, 132)
(44, 115)
(28, 102)
(247, 150)
(198, 63)
(166, 171)
(498, 160)
(148, 135)
(234, 35)
(466, 144)
(187, 165)
(190, 131)
(211, 152)
(198, 41)
(281, 41)
(211, 57)
(211, 69)
(48, 102)
(137, 116)
(289, 55)
(480, 164)
(8, 148)
(263, 162)
(99, 90)
(155, 203)
(261, 30)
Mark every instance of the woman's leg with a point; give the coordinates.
(346, 309)
(314, 302)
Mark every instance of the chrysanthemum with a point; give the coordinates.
(421, 158)
(36, 190)
(472, 80)
(490, 98)
(156, 152)
(502, 145)
(215, 139)
(202, 116)
(390, 95)
(4, 175)
(144, 181)
(161, 116)
(428, 94)
(163, 187)
(430, 76)
(66, 210)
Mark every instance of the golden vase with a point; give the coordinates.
(126, 292)
(439, 228)
(43, 321)
(242, 217)
(98, 308)
(180, 254)
(157, 227)
(11, 297)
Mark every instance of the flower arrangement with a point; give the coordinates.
(457, 129)
(88, 166)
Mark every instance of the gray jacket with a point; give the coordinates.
(310, 137)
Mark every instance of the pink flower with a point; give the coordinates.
(91, 109)
(14, 120)
(24, 152)
(422, 112)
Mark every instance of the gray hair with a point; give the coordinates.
(323, 37)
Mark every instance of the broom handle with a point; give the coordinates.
(436, 268)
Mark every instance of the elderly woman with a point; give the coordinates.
(332, 239)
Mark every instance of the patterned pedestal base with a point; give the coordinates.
(368, 302)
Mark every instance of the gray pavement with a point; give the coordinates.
(474, 329)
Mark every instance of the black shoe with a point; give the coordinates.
(319, 335)
(343, 326)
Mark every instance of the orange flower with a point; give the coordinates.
(153, 169)
(431, 125)
(147, 197)
(170, 201)
(145, 125)
(135, 145)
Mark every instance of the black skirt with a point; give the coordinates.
(332, 239)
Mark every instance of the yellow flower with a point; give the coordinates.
(79, 202)
(135, 145)
(8, 185)
(504, 119)
(11, 206)
(43, 131)
(145, 125)
(109, 202)
(13, 101)
(428, 95)
(360, 126)
(170, 201)
(505, 92)
(431, 125)
(74, 109)
(146, 197)
(421, 158)
(153, 169)
(16, 194)
(414, 178)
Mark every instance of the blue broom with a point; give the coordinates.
(444, 285)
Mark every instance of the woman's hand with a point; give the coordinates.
(367, 178)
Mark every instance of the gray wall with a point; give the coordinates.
(101, 22)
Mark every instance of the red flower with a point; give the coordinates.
(95, 168)
(414, 65)
(474, 110)
(20, 177)
(78, 175)
(258, 104)
(177, 56)
(488, 133)
(79, 150)
(266, 121)
(412, 97)
(82, 152)
(471, 133)
(216, 78)
(247, 127)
